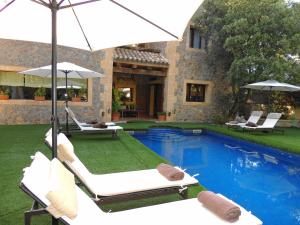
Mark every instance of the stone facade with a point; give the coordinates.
(188, 65)
(18, 55)
(185, 65)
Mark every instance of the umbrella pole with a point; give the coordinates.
(54, 79)
(269, 100)
(67, 116)
(54, 82)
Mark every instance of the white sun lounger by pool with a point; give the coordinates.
(269, 123)
(254, 118)
(112, 187)
(36, 183)
(88, 128)
(73, 117)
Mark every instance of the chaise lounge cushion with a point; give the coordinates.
(220, 206)
(62, 194)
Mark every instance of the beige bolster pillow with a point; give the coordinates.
(65, 153)
(62, 194)
(65, 149)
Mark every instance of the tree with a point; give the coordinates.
(252, 40)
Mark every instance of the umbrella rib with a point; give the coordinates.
(8, 4)
(79, 3)
(41, 2)
(134, 13)
(81, 28)
(61, 1)
(143, 18)
(78, 74)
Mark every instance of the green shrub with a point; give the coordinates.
(161, 113)
(4, 91)
(82, 92)
(70, 92)
(116, 101)
(40, 92)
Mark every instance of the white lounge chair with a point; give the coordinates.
(112, 187)
(73, 117)
(254, 118)
(37, 184)
(269, 123)
(88, 128)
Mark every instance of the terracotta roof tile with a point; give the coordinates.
(139, 56)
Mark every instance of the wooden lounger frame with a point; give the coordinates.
(272, 130)
(78, 131)
(38, 207)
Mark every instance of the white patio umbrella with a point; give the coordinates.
(272, 85)
(65, 70)
(93, 25)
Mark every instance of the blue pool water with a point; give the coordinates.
(261, 179)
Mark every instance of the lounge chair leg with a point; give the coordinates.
(33, 212)
(54, 221)
(27, 218)
(184, 194)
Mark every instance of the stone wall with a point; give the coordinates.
(189, 64)
(185, 64)
(19, 55)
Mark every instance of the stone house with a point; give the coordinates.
(168, 76)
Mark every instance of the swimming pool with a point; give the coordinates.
(261, 179)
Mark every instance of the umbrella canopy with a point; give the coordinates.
(63, 69)
(67, 70)
(102, 24)
(93, 24)
(272, 85)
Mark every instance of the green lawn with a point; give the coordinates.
(289, 141)
(101, 154)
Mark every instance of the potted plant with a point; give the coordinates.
(162, 116)
(4, 93)
(72, 95)
(39, 94)
(116, 105)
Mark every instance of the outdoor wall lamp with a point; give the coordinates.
(103, 113)
(169, 113)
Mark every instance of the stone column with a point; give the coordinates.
(170, 85)
(106, 86)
